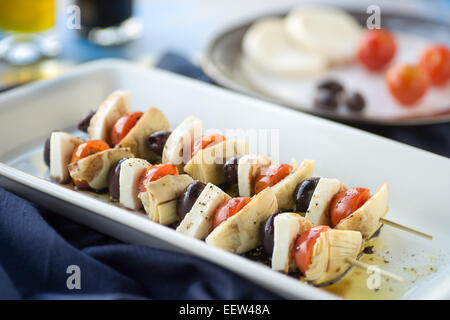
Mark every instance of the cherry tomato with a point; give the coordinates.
(346, 202)
(407, 83)
(229, 209)
(436, 62)
(123, 125)
(154, 173)
(376, 49)
(205, 141)
(304, 245)
(270, 176)
(86, 149)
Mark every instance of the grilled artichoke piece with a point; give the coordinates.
(116, 105)
(248, 167)
(206, 166)
(284, 189)
(151, 121)
(198, 222)
(240, 233)
(94, 169)
(287, 227)
(367, 218)
(330, 253)
(160, 198)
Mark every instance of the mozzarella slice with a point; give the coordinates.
(62, 145)
(287, 227)
(177, 149)
(151, 121)
(94, 169)
(248, 167)
(325, 190)
(267, 45)
(116, 105)
(206, 166)
(198, 222)
(160, 198)
(284, 189)
(130, 171)
(329, 31)
(240, 233)
(367, 218)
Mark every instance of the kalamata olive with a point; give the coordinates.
(113, 181)
(188, 198)
(355, 101)
(84, 123)
(303, 194)
(47, 152)
(157, 140)
(230, 170)
(331, 85)
(325, 99)
(267, 233)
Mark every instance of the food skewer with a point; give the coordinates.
(382, 272)
(405, 228)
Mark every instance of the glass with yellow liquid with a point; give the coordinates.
(26, 25)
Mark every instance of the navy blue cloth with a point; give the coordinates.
(37, 247)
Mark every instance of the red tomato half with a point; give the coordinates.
(407, 83)
(229, 209)
(270, 176)
(154, 173)
(304, 245)
(123, 125)
(376, 49)
(205, 141)
(436, 62)
(84, 150)
(346, 202)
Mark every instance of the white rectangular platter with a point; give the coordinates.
(419, 181)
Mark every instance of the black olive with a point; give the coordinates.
(230, 170)
(331, 85)
(113, 181)
(355, 101)
(187, 199)
(267, 233)
(84, 123)
(303, 194)
(157, 140)
(47, 152)
(325, 99)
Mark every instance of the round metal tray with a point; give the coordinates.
(224, 63)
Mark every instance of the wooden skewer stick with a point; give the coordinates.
(404, 228)
(382, 272)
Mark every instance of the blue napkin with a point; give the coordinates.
(38, 248)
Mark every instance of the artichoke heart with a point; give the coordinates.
(330, 253)
(367, 218)
(151, 121)
(160, 198)
(206, 166)
(285, 188)
(94, 169)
